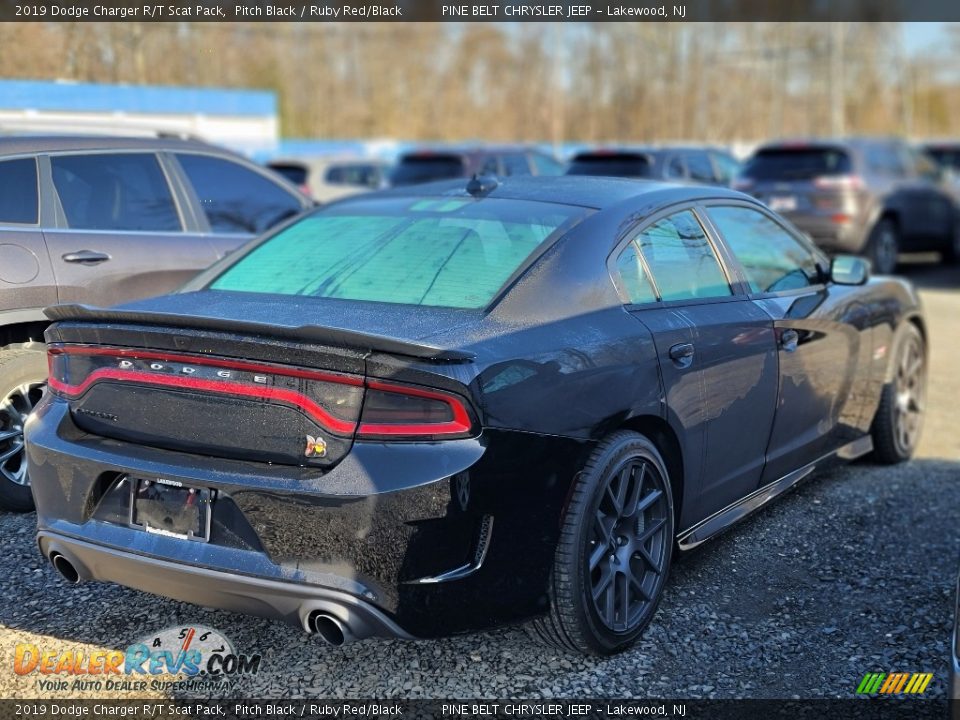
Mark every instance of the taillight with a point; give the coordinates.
(841, 182)
(396, 411)
(332, 400)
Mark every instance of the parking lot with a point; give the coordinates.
(854, 572)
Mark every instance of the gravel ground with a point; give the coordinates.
(851, 573)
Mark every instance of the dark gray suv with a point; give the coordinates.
(868, 196)
(105, 220)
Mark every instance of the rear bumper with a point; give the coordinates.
(832, 237)
(436, 538)
(289, 602)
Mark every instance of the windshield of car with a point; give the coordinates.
(295, 173)
(798, 163)
(627, 165)
(414, 169)
(440, 252)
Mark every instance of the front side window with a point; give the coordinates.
(515, 164)
(235, 198)
(121, 192)
(772, 258)
(681, 259)
(19, 198)
(546, 165)
(440, 252)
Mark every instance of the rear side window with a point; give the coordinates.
(234, 198)
(414, 169)
(772, 259)
(122, 191)
(700, 168)
(727, 166)
(798, 163)
(633, 277)
(681, 259)
(19, 198)
(628, 165)
(436, 252)
(293, 172)
(359, 175)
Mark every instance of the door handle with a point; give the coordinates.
(85, 257)
(789, 340)
(682, 354)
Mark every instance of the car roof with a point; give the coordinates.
(20, 144)
(575, 190)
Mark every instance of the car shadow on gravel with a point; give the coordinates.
(852, 572)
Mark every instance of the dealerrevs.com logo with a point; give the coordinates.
(185, 657)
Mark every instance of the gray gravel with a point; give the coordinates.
(851, 573)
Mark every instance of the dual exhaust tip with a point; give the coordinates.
(329, 628)
(67, 569)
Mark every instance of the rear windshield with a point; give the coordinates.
(440, 252)
(426, 168)
(297, 174)
(625, 165)
(947, 157)
(797, 163)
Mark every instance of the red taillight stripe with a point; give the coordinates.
(201, 360)
(460, 424)
(282, 395)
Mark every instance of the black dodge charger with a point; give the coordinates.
(442, 408)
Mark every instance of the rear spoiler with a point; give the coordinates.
(311, 333)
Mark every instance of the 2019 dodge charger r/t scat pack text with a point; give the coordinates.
(437, 409)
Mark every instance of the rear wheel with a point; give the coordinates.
(23, 378)
(614, 552)
(896, 426)
(883, 247)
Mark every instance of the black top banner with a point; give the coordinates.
(479, 11)
(915, 708)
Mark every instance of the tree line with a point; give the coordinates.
(591, 82)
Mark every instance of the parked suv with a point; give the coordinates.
(701, 165)
(446, 163)
(873, 197)
(105, 220)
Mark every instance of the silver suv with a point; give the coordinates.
(104, 220)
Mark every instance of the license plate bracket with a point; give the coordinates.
(167, 507)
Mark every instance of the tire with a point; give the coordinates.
(899, 419)
(951, 255)
(23, 379)
(616, 544)
(883, 247)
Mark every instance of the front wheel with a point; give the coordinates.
(23, 378)
(896, 426)
(614, 552)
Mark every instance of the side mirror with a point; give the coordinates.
(849, 270)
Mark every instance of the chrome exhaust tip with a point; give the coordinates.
(330, 629)
(66, 568)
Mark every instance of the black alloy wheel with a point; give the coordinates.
(615, 548)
